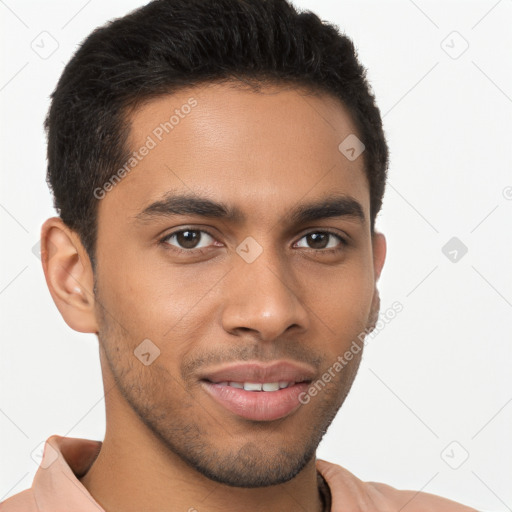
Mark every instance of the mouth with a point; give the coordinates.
(257, 386)
(258, 392)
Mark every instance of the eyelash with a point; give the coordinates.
(163, 241)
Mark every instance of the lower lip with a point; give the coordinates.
(257, 405)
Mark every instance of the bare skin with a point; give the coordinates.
(168, 445)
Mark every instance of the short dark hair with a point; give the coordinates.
(169, 45)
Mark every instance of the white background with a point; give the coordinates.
(439, 372)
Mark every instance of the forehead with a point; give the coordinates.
(261, 151)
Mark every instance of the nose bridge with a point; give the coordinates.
(260, 292)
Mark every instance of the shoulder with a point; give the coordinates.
(21, 502)
(348, 490)
(417, 501)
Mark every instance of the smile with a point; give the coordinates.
(257, 391)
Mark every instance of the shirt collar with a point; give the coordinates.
(56, 485)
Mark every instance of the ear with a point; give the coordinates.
(379, 256)
(379, 253)
(68, 273)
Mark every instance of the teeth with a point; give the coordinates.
(257, 386)
(252, 386)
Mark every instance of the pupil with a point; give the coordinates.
(314, 237)
(186, 240)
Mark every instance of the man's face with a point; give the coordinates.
(262, 297)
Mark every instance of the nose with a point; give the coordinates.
(263, 297)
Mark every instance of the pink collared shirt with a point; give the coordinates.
(56, 487)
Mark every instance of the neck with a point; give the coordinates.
(135, 471)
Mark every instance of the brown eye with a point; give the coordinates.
(188, 239)
(321, 240)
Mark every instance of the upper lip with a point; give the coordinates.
(277, 371)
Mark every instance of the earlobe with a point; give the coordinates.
(379, 256)
(69, 275)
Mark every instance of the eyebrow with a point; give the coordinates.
(188, 204)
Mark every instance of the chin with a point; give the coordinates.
(250, 467)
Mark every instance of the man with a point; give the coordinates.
(217, 168)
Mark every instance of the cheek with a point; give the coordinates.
(347, 290)
(144, 302)
(142, 298)
(345, 304)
